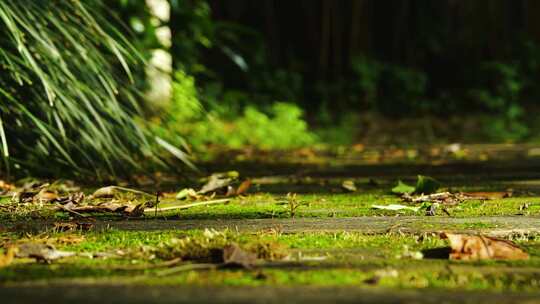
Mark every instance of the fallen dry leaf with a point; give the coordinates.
(7, 259)
(218, 181)
(41, 252)
(105, 192)
(479, 247)
(45, 195)
(349, 186)
(5, 186)
(488, 195)
(75, 198)
(244, 187)
(449, 199)
(234, 256)
(126, 208)
(112, 191)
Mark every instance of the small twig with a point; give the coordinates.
(157, 203)
(430, 197)
(186, 206)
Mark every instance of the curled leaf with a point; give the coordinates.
(480, 247)
(244, 187)
(349, 186)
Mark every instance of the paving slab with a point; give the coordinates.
(179, 294)
(369, 225)
(493, 225)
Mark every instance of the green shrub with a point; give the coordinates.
(67, 106)
(280, 127)
(391, 89)
(500, 94)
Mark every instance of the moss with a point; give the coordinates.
(351, 259)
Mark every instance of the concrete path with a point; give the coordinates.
(371, 225)
(495, 225)
(252, 295)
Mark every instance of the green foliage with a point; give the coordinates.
(193, 32)
(342, 132)
(424, 185)
(391, 89)
(65, 106)
(368, 73)
(500, 94)
(281, 126)
(402, 188)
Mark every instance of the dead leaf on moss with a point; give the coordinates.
(479, 247)
(488, 195)
(126, 208)
(112, 191)
(349, 185)
(45, 195)
(234, 256)
(75, 198)
(7, 259)
(244, 187)
(218, 181)
(41, 252)
(5, 186)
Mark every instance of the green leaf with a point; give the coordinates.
(402, 188)
(426, 185)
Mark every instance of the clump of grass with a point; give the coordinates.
(208, 246)
(67, 105)
(293, 204)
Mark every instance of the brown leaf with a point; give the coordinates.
(7, 259)
(75, 198)
(45, 196)
(234, 256)
(479, 247)
(105, 192)
(112, 191)
(487, 195)
(41, 252)
(349, 186)
(5, 186)
(244, 187)
(125, 208)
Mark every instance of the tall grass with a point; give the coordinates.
(66, 91)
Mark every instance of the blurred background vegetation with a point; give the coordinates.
(268, 74)
(384, 72)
